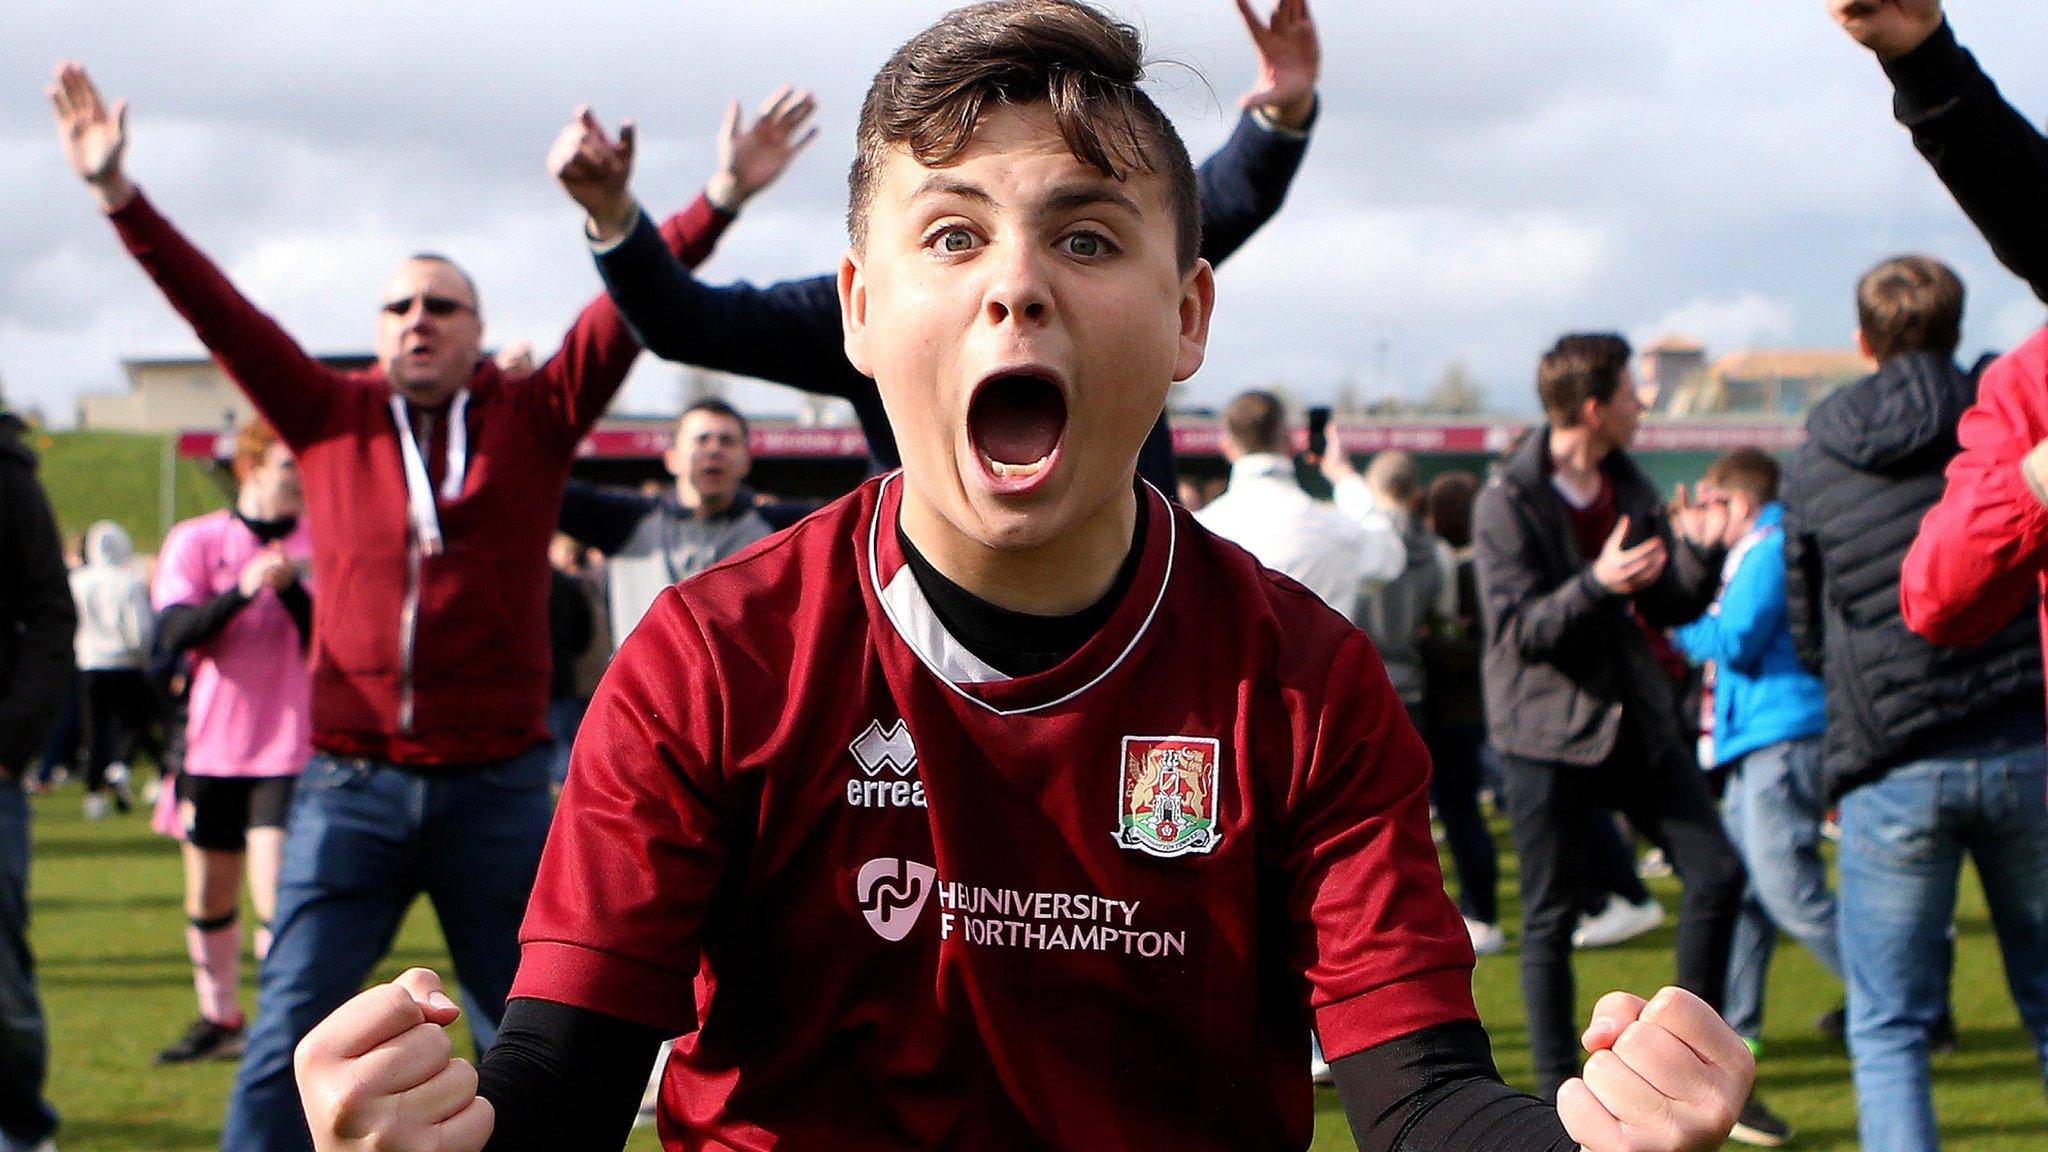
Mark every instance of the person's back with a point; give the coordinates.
(1931, 752)
(1854, 496)
(113, 602)
(1266, 512)
(1393, 614)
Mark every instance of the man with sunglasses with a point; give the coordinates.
(431, 483)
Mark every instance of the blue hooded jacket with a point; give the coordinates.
(1762, 693)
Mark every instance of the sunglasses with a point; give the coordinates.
(430, 304)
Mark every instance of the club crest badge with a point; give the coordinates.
(1166, 795)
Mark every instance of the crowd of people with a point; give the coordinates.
(1029, 796)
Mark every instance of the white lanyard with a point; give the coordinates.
(419, 491)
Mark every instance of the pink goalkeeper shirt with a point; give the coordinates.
(251, 701)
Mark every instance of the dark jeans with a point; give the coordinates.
(25, 1117)
(1665, 798)
(366, 838)
(1454, 789)
(1611, 864)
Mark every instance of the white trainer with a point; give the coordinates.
(1617, 922)
(1487, 939)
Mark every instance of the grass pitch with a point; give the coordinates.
(109, 934)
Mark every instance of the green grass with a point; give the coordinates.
(109, 935)
(118, 476)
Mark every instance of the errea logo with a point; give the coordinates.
(886, 758)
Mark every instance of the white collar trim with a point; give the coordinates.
(911, 615)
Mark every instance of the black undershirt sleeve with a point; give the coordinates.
(564, 1079)
(182, 626)
(1437, 1090)
(299, 603)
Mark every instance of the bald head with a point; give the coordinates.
(430, 328)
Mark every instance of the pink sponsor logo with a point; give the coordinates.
(892, 893)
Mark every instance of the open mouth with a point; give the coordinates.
(1016, 422)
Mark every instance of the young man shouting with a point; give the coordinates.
(957, 815)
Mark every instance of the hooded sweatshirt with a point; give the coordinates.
(113, 602)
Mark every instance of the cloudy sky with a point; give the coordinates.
(1486, 173)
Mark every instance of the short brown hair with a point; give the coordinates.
(1749, 471)
(1256, 422)
(717, 407)
(1450, 507)
(1581, 366)
(933, 92)
(252, 444)
(1910, 304)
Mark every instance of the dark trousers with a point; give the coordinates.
(117, 715)
(1611, 864)
(1665, 798)
(1454, 789)
(25, 1116)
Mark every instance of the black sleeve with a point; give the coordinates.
(1438, 1090)
(37, 617)
(603, 518)
(182, 626)
(787, 333)
(299, 603)
(781, 514)
(564, 1079)
(1244, 182)
(1993, 161)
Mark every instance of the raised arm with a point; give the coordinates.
(1244, 182)
(596, 171)
(291, 389)
(1993, 161)
(1978, 559)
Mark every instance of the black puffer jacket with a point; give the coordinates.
(1854, 495)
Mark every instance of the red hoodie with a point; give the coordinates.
(417, 659)
(1982, 551)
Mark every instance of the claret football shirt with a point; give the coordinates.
(892, 898)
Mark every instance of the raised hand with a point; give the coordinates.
(379, 1075)
(1665, 1075)
(1703, 521)
(1625, 571)
(1290, 59)
(516, 359)
(752, 157)
(595, 171)
(1890, 28)
(94, 135)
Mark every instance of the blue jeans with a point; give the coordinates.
(25, 1117)
(1773, 810)
(1903, 839)
(365, 839)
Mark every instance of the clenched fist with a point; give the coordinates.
(1665, 1075)
(380, 1074)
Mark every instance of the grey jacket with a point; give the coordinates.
(1564, 657)
(1392, 614)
